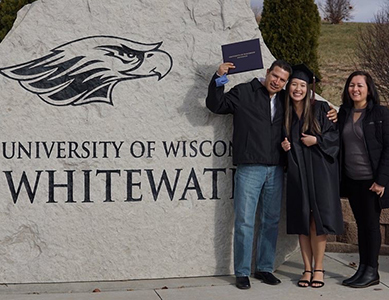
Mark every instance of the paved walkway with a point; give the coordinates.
(214, 288)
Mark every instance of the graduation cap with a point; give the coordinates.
(302, 72)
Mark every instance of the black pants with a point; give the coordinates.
(365, 206)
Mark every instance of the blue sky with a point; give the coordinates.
(364, 10)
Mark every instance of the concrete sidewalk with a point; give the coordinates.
(214, 288)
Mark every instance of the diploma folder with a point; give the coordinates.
(245, 55)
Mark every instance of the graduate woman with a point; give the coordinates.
(312, 146)
(364, 133)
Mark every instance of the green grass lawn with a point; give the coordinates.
(337, 57)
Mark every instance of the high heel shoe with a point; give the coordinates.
(318, 282)
(358, 274)
(302, 282)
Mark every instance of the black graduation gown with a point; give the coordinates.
(313, 178)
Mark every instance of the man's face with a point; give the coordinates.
(275, 80)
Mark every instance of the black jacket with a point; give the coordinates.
(256, 139)
(376, 132)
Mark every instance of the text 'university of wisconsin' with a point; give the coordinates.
(113, 149)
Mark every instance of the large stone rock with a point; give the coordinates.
(95, 95)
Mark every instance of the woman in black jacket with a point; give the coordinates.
(364, 133)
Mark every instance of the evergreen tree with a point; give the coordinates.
(291, 30)
(8, 11)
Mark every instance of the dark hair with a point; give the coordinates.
(310, 123)
(282, 64)
(372, 94)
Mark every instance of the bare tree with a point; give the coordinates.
(336, 11)
(257, 12)
(372, 51)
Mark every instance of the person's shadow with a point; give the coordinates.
(198, 115)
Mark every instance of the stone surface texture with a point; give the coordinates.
(158, 234)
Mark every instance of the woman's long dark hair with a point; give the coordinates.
(310, 122)
(372, 94)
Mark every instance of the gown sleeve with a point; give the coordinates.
(328, 140)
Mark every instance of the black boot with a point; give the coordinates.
(370, 277)
(356, 276)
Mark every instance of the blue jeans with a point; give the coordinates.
(256, 184)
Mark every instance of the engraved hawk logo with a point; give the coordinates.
(86, 70)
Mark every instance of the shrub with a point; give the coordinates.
(291, 31)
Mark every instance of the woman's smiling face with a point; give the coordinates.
(358, 89)
(298, 89)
